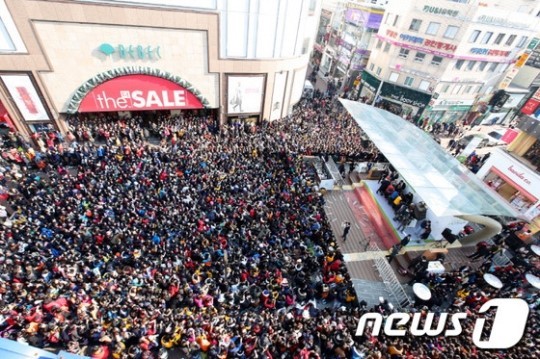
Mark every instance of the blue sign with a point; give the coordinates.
(135, 52)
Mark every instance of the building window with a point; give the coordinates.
(492, 67)
(379, 43)
(395, 20)
(470, 65)
(424, 85)
(387, 18)
(510, 40)
(436, 60)
(522, 41)
(403, 53)
(499, 39)
(482, 65)
(386, 47)
(10, 39)
(467, 89)
(433, 28)
(379, 70)
(394, 76)
(486, 38)
(451, 32)
(420, 56)
(415, 25)
(445, 88)
(456, 89)
(312, 7)
(371, 66)
(474, 35)
(408, 81)
(459, 64)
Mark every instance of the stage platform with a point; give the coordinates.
(387, 213)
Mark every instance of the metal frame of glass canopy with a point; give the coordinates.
(446, 186)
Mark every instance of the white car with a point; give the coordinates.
(494, 138)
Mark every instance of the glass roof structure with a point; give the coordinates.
(446, 186)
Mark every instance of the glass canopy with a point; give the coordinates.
(443, 183)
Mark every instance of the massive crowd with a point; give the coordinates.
(131, 236)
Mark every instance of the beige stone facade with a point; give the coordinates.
(62, 40)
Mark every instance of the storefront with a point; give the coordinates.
(449, 111)
(369, 85)
(84, 57)
(518, 184)
(412, 102)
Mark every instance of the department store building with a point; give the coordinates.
(240, 60)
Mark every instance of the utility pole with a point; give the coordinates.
(378, 92)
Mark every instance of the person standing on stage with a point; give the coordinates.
(346, 229)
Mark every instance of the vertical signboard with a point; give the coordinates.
(278, 95)
(245, 94)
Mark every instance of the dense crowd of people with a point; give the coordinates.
(131, 236)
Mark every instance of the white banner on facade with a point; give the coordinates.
(245, 94)
(23, 92)
(277, 96)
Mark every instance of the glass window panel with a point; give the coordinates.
(444, 184)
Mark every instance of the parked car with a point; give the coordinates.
(494, 138)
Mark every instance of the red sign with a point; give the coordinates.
(530, 106)
(509, 135)
(440, 45)
(137, 93)
(391, 33)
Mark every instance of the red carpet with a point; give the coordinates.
(377, 219)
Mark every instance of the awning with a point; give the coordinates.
(443, 183)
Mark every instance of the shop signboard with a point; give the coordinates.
(429, 46)
(533, 44)
(134, 52)
(489, 52)
(23, 92)
(500, 21)
(405, 95)
(428, 43)
(530, 107)
(137, 93)
(370, 81)
(445, 102)
(509, 135)
(440, 11)
(460, 108)
(368, 18)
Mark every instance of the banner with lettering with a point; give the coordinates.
(137, 93)
(405, 95)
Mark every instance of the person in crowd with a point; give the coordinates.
(394, 251)
(128, 237)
